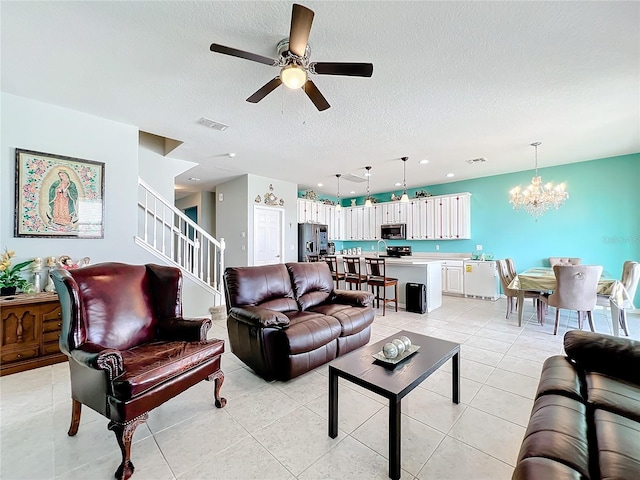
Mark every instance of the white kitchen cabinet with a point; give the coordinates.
(452, 217)
(354, 223)
(333, 220)
(372, 218)
(442, 217)
(452, 277)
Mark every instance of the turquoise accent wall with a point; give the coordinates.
(600, 221)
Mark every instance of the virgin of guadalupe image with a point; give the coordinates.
(63, 200)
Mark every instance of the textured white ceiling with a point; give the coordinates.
(452, 81)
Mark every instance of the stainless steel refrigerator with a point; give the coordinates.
(313, 239)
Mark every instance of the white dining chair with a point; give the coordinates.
(506, 277)
(576, 289)
(553, 261)
(629, 280)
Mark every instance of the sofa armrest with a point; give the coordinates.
(259, 317)
(99, 358)
(355, 298)
(612, 356)
(184, 329)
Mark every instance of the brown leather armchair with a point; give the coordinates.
(129, 348)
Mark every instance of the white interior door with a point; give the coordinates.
(268, 234)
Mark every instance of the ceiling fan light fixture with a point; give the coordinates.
(293, 76)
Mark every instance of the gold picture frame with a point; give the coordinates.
(58, 196)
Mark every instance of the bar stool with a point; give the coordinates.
(377, 272)
(332, 261)
(352, 272)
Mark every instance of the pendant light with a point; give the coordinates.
(367, 202)
(405, 197)
(338, 206)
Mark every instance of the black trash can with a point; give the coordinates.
(416, 297)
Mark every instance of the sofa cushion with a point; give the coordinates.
(352, 319)
(312, 283)
(308, 331)
(151, 364)
(596, 352)
(557, 430)
(560, 376)
(544, 468)
(618, 440)
(614, 395)
(264, 285)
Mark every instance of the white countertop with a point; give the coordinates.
(419, 258)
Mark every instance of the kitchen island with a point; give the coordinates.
(412, 269)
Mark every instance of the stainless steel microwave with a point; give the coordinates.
(393, 231)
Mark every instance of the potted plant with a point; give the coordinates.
(10, 279)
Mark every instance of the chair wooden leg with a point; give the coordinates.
(76, 410)
(580, 319)
(623, 321)
(396, 296)
(590, 321)
(509, 306)
(218, 378)
(384, 300)
(555, 328)
(124, 436)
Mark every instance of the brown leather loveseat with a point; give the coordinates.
(585, 422)
(285, 320)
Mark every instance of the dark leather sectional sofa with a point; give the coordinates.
(585, 422)
(285, 320)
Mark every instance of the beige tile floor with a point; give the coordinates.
(278, 430)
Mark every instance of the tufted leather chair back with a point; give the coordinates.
(268, 286)
(630, 278)
(114, 305)
(312, 283)
(505, 278)
(553, 261)
(576, 287)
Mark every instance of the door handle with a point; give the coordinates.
(277, 256)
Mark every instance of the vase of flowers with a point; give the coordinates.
(10, 278)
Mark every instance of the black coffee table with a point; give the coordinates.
(393, 383)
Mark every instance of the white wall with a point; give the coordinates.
(232, 220)
(289, 193)
(33, 125)
(42, 127)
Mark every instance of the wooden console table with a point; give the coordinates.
(30, 326)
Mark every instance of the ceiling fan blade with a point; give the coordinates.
(301, 19)
(265, 90)
(316, 97)
(234, 52)
(339, 68)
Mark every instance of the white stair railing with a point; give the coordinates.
(168, 233)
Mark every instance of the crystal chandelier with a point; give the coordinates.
(538, 198)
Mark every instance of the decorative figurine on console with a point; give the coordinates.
(52, 262)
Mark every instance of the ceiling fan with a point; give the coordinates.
(294, 64)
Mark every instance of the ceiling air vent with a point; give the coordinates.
(476, 160)
(353, 178)
(207, 122)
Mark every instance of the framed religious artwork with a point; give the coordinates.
(58, 196)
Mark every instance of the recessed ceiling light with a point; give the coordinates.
(449, 175)
(231, 155)
(351, 192)
(398, 184)
(424, 161)
(320, 184)
(194, 179)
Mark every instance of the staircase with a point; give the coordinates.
(169, 234)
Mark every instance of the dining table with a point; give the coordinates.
(543, 279)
